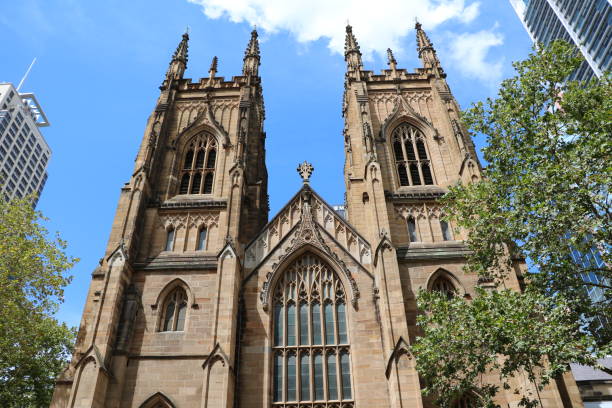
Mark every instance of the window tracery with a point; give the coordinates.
(174, 311)
(411, 161)
(197, 173)
(311, 351)
(444, 286)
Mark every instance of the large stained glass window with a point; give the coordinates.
(311, 352)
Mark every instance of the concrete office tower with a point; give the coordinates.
(586, 23)
(24, 153)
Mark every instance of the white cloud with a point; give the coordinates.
(377, 27)
(469, 52)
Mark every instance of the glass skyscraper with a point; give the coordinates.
(24, 153)
(586, 23)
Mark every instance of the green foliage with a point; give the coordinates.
(33, 345)
(545, 193)
(479, 345)
(549, 149)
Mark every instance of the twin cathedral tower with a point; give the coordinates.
(201, 301)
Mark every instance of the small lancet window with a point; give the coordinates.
(310, 310)
(447, 234)
(169, 240)
(197, 174)
(202, 239)
(412, 231)
(411, 156)
(175, 311)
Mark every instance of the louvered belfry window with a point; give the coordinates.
(311, 352)
(413, 165)
(198, 166)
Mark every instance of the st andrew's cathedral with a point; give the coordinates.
(203, 301)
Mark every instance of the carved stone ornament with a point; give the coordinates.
(307, 234)
(206, 117)
(305, 169)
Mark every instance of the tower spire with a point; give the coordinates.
(178, 64)
(391, 60)
(250, 66)
(352, 54)
(427, 52)
(212, 71)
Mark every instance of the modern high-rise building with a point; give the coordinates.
(24, 153)
(586, 23)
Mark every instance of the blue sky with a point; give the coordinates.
(100, 64)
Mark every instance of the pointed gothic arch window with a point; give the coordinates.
(199, 164)
(444, 285)
(411, 161)
(311, 351)
(174, 311)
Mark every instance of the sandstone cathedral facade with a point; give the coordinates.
(201, 301)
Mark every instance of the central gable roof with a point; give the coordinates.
(288, 219)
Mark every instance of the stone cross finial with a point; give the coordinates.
(305, 170)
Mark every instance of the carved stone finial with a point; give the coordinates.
(305, 170)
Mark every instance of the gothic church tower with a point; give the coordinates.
(161, 305)
(200, 301)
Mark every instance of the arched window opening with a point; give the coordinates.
(175, 311)
(199, 163)
(212, 156)
(411, 156)
(202, 239)
(447, 234)
(403, 175)
(200, 159)
(310, 341)
(443, 285)
(184, 189)
(188, 160)
(412, 231)
(195, 186)
(169, 240)
(208, 184)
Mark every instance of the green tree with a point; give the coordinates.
(33, 345)
(494, 340)
(545, 194)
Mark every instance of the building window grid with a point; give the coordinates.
(311, 352)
